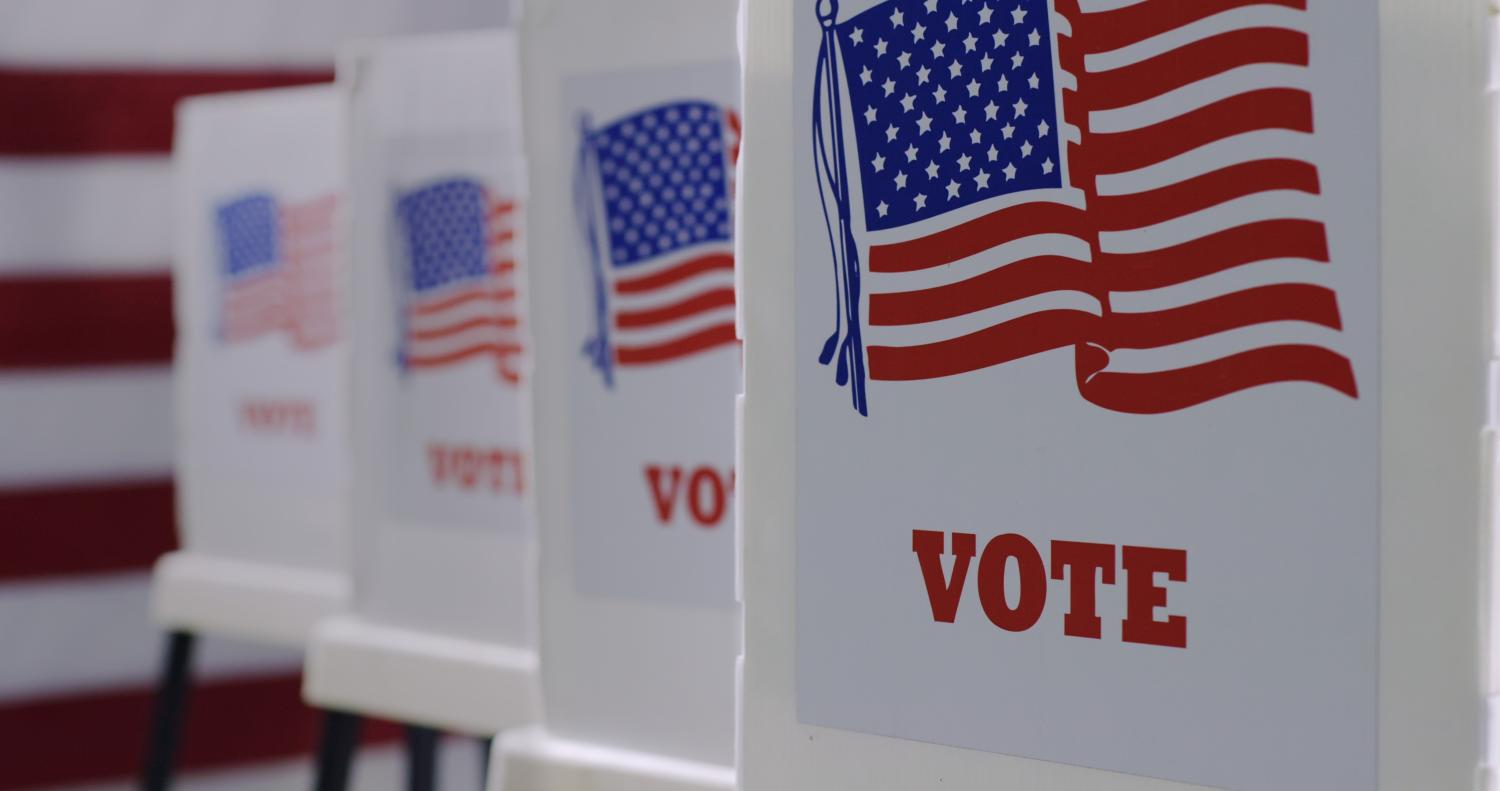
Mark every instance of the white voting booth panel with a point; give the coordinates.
(1114, 392)
(441, 632)
(632, 128)
(262, 442)
(1492, 435)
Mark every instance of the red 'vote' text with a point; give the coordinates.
(702, 492)
(1085, 566)
(269, 416)
(476, 469)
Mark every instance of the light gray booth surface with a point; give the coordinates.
(261, 381)
(828, 589)
(442, 627)
(639, 656)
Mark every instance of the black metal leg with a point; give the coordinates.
(486, 746)
(336, 753)
(168, 711)
(421, 758)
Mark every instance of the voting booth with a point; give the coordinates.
(262, 446)
(261, 385)
(1114, 392)
(632, 134)
(440, 633)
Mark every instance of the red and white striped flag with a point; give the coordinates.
(461, 297)
(279, 270)
(1133, 183)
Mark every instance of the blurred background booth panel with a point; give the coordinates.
(87, 89)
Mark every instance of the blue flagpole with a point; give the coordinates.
(404, 270)
(596, 348)
(851, 354)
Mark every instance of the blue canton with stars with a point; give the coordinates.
(664, 180)
(953, 103)
(445, 229)
(247, 228)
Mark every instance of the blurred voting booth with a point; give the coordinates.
(1113, 394)
(1492, 432)
(263, 447)
(440, 633)
(263, 452)
(632, 134)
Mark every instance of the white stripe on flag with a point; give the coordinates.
(1270, 205)
(73, 634)
(375, 769)
(975, 321)
(85, 425)
(93, 214)
(1248, 147)
(1208, 348)
(218, 32)
(1234, 19)
(1195, 95)
(666, 296)
(1271, 272)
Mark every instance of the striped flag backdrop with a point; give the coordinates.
(1019, 176)
(87, 89)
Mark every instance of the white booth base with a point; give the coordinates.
(251, 601)
(531, 760)
(452, 684)
(1490, 780)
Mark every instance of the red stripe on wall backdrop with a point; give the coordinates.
(85, 529)
(65, 111)
(82, 320)
(100, 736)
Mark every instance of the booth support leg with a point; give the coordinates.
(486, 746)
(168, 712)
(336, 752)
(421, 758)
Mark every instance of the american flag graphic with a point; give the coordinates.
(654, 196)
(279, 269)
(461, 277)
(1132, 183)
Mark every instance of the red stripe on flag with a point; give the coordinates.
(1169, 391)
(692, 306)
(717, 335)
(978, 235)
(687, 269)
(1022, 337)
(58, 111)
(1104, 31)
(1260, 241)
(497, 322)
(500, 350)
(99, 736)
(57, 531)
(1025, 278)
(1123, 212)
(1270, 108)
(1188, 64)
(486, 291)
(49, 322)
(1282, 302)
